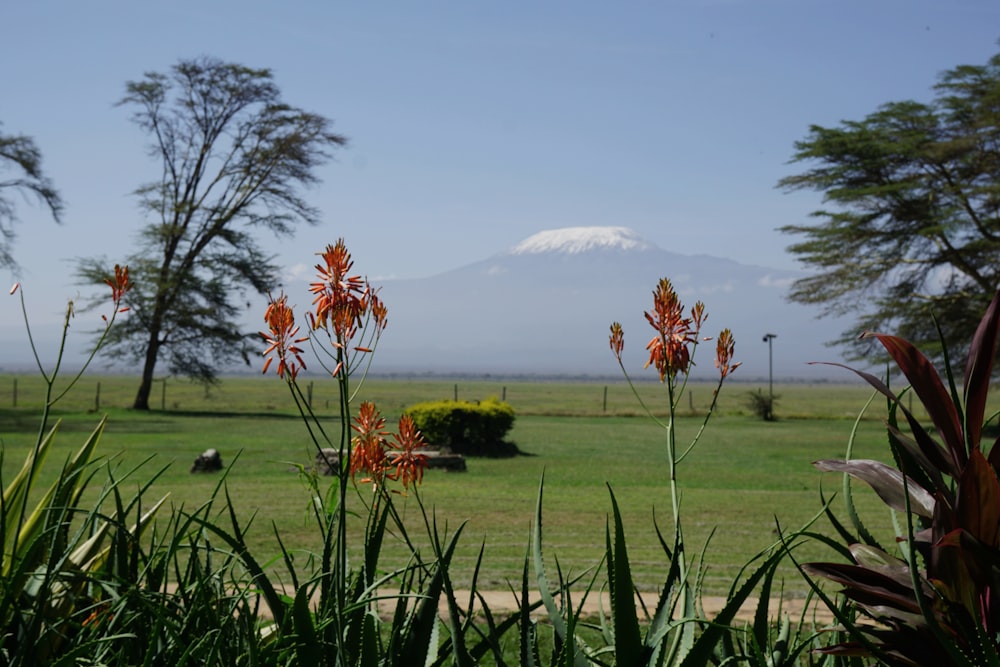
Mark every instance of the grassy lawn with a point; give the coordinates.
(744, 476)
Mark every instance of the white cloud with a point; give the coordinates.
(781, 283)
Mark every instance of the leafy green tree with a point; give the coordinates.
(234, 159)
(20, 154)
(912, 222)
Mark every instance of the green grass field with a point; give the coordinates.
(744, 478)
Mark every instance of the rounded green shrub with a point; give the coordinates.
(471, 428)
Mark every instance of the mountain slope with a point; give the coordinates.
(545, 307)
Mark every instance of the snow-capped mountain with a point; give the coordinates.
(573, 240)
(545, 306)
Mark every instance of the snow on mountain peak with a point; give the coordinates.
(574, 240)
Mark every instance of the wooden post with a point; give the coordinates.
(605, 398)
(163, 396)
(97, 398)
(309, 394)
(456, 392)
(15, 392)
(504, 394)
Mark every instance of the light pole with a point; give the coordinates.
(769, 338)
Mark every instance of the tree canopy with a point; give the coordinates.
(19, 154)
(234, 160)
(909, 240)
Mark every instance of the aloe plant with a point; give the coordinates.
(937, 601)
(673, 630)
(346, 625)
(56, 552)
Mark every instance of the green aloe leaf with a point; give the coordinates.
(419, 639)
(527, 626)
(564, 631)
(704, 647)
(86, 556)
(370, 649)
(629, 649)
(55, 507)
(15, 499)
(307, 645)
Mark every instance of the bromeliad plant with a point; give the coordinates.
(938, 601)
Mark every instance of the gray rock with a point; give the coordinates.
(208, 461)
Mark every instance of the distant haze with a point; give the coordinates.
(545, 306)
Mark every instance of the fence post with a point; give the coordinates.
(309, 395)
(504, 394)
(163, 396)
(97, 398)
(456, 392)
(15, 392)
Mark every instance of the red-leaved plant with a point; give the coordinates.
(938, 604)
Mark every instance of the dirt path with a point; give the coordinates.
(505, 601)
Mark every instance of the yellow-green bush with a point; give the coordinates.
(465, 427)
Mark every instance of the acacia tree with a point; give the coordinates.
(20, 154)
(234, 160)
(913, 223)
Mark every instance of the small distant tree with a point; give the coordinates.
(20, 155)
(233, 159)
(762, 404)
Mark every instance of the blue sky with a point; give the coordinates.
(473, 125)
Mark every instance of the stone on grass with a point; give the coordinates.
(207, 461)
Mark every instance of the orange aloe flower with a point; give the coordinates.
(670, 348)
(406, 456)
(370, 443)
(341, 299)
(280, 338)
(617, 340)
(119, 284)
(378, 310)
(725, 347)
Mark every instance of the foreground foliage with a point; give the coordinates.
(937, 601)
(91, 579)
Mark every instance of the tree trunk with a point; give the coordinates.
(146, 383)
